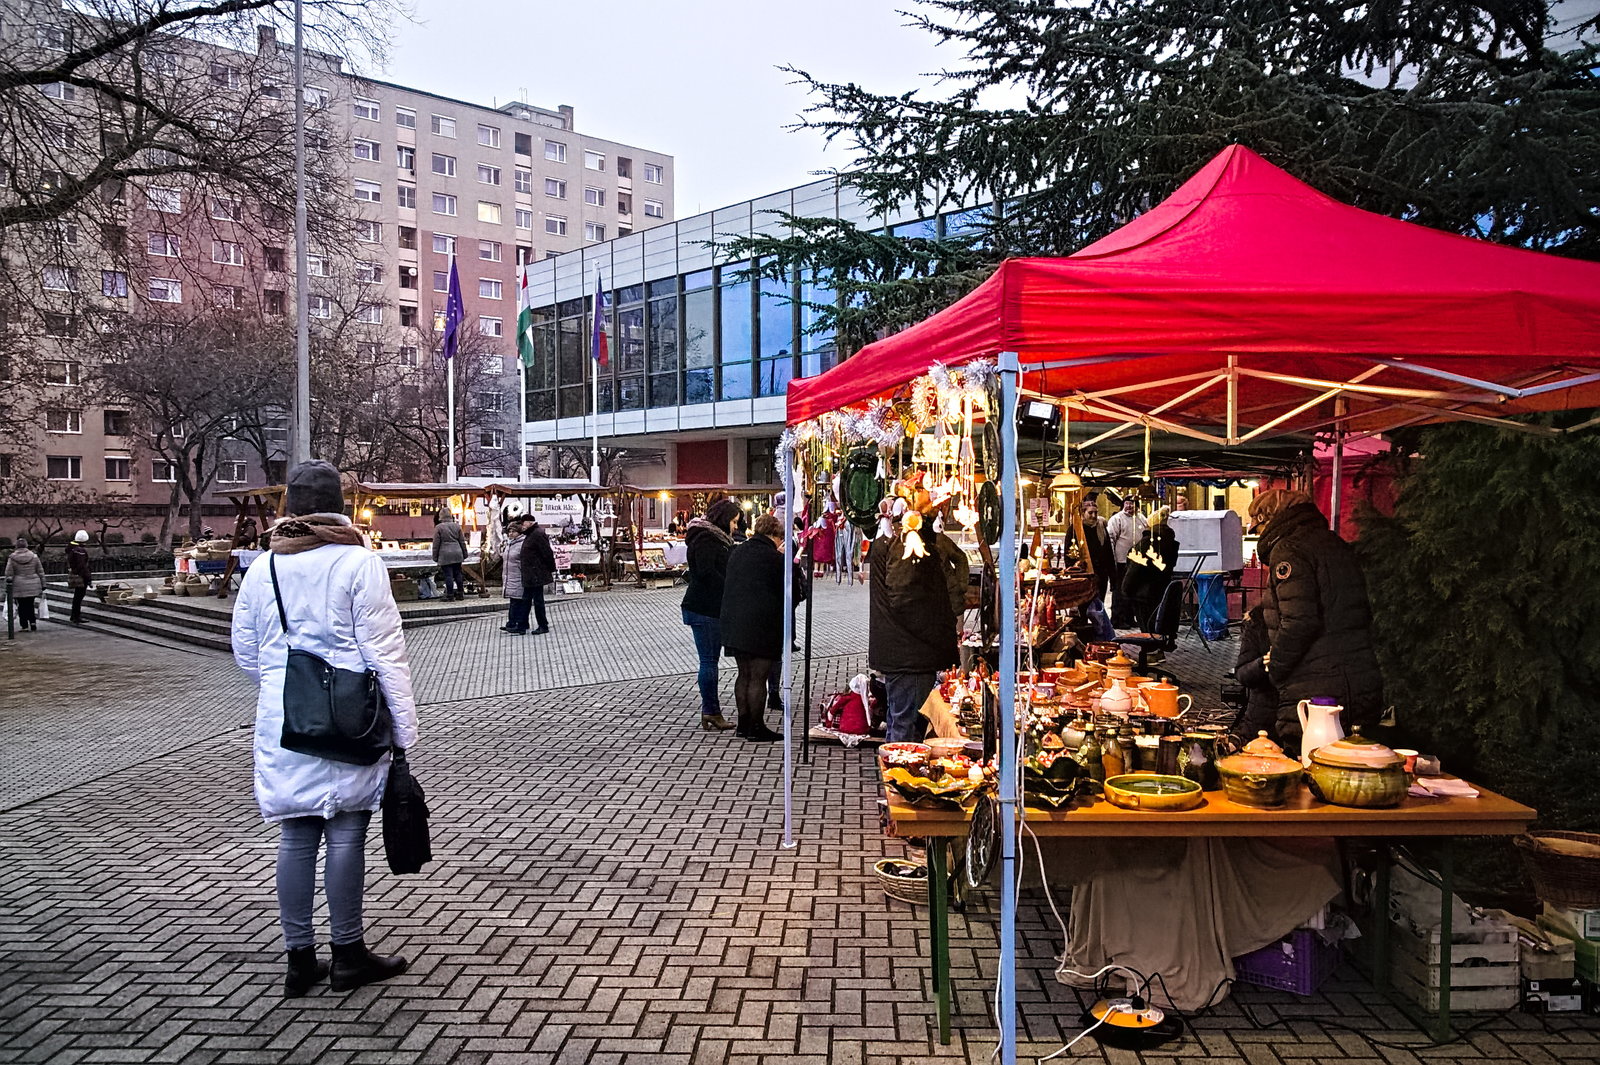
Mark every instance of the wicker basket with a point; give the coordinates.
(912, 889)
(1571, 880)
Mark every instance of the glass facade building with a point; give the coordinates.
(698, 346)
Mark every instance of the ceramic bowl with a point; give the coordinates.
(1152, 791)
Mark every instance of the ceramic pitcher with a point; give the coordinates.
(1319, 725)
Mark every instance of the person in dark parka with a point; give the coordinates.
(707, 542)
(752, 619)
(913, 631)
(1148, 572)
(538, 568)
(1317, 614)
(1260, 713)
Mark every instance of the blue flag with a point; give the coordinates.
(455, 313)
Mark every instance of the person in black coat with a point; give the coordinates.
(707, 542)
(1317, 614)
(538, 569)
(1149, 572)
(1097, 547)
(914, 606)
(752, 619)
(1260, 713)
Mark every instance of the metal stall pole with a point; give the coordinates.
(1336, 496)
(805, 709)
(1007, 998)
(788, 645)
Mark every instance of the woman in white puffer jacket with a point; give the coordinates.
(339, 606)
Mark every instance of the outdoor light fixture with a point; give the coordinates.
(366, 513)
(1066, 481)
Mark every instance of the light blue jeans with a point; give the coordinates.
(343, 876)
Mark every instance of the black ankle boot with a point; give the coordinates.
(305, 972)
(758, 732)
(355, 966)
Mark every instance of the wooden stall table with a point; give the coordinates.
(1303, 816)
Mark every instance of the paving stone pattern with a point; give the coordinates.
(609, 883)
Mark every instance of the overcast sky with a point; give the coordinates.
(694, 78)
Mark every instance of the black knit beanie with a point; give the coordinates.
(314, 488)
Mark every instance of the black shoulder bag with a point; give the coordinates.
(331, 713)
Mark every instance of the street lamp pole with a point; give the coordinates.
(300, 442)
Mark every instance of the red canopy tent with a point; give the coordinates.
(1247, 302)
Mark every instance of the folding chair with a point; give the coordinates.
(1165, 637)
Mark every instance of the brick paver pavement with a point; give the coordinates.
(609, 885)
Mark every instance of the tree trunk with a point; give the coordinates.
(169, 520)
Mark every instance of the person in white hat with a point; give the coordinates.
(78, 577)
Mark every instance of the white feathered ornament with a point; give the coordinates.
(915, 548)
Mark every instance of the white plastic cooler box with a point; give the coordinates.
(1219, 533)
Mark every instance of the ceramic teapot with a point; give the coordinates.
(1319, 726)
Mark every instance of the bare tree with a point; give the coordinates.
(188, 383)
(615, 462)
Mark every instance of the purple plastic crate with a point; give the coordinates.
(1299, 962)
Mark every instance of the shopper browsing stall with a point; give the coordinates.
(707, 542)
(752, 619)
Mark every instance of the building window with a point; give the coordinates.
(624, 167)
(491, 401)
(492, 439)
(488, 136)
(408, 237)
(227, 208)
(654, 173)
(443, 203)
(164, 244)
(444, 127)
(555, 224)
(231, 472)
(114, 283)
(405, 118)
(444, 244)
(624, 204)
(118, 469)
(488, 175)
(488, 213)
(405, 157)
(159, 61)
(63, 421)
(655, 209)
(165, 290)
(370, 313)
(369, 232)
(594, 231)
(408, 277)
(524, 218)
(59, 279)
(163, 472)
(369, 191)
(227, 77)
(366, 150)
(594, 197)
(408, 320)
(441, 281)
(273, 302)
(594, 160)
(365, 108)
(227, 252)
(522, 180)
(368, 272)
(491, 327)
(406, 196)
(490, 365)
(59, 90)
(489, 250)
(227, 297)
(555, 151)
(524, 255)
(317, 97)
(555, 188)
(489, 288)
(63, 467)
(319, 307)
(63, 373)
(60, 325)
(167, 201)
(55, 38)
(444, 165)
(116, 422)
(316, 266)
(408, 356)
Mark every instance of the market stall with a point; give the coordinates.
(1247, 305)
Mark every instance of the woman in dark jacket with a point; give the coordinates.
(752, 620)
(538, 569)
(1260, 713)
(1317, 614)
(706, 545)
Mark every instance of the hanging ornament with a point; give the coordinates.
(915, 548)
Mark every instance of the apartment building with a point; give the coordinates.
(418, 176)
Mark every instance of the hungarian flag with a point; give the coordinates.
(524, 320)
(597, 343)
(455, 313)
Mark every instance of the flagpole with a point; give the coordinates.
(450, 388)
(594, 389)
(522, 433)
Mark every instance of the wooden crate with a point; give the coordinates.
(1485, 973)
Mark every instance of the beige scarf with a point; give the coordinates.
(304, 532)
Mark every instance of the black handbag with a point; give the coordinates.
(405, 819)
(331, 713)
